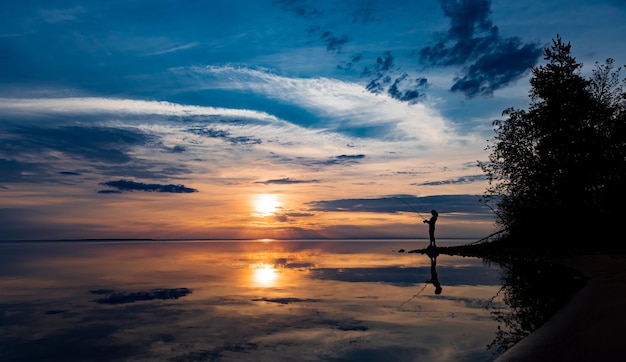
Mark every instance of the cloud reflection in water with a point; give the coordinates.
(314, 300)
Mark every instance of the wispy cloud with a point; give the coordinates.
(91, 105)
(340, 106)
(286, 181)
(456, 181)
(61, 15)
(404, 203)
(175, 48)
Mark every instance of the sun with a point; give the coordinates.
(266, 204)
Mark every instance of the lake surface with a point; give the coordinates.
(243, 301)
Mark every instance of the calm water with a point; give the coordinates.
(243, 301)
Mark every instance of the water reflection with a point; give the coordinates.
(532, 292)
(265, 275)
(434, 278)
(232, 301)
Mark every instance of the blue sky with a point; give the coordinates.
(267, 119)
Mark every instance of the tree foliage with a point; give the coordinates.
(556, 170)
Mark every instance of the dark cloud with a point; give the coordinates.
(114, 297)
(307, 10)
(349, 157)
(343, 160)
(300, 8)
(143, 169)
(214, 133)
(110, 145)
(383, 64)
(12, 170)
(286, 181)
(489, 60)
(405, 203)
(364, 15)
(334, 43)
(285, 300)
(385, 79)
(460, 180)
(407, 90)
(347, 65)
(106, 150)
(106, 192)
(40, 172)
(126, 185)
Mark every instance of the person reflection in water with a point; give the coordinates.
(433, 272)
(431, 227)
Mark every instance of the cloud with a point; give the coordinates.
(460, 180)
(300, 8)
(341, 160)
(286, 181)
(115, 297)
(400, 87)
(176, 48)
(285, 300)
(106, 144)
(404, 203)
(45, 107)
(13, 170)
(308, 11)
(331, 105)
(126, 185)
(489, 60)
(215, 133)
(61, 15)
(334, 43)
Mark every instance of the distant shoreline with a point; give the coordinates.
(239, 239)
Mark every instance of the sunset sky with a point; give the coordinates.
(267, 118)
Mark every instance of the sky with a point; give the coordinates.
(273, 119)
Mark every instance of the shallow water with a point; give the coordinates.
(243, 300)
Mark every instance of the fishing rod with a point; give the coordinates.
(414, 296)
(423, 218)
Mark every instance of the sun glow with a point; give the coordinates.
(265, 275)
(266, 204)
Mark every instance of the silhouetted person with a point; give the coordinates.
(431, 226)
(433, 272)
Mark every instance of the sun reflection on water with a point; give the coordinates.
(265, 275)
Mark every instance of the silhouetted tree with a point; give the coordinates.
(556, 170)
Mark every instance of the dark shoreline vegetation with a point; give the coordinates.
(556, 185)
(556, 169)
(535, 285)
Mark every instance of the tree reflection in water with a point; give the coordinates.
(533, 291)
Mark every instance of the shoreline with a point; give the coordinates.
(590, 326)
